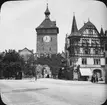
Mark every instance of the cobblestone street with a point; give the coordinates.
(52, 92)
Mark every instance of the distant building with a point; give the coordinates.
(47, 36)
(85, 48)
(26, 54)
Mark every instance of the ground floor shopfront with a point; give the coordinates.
(85, 73)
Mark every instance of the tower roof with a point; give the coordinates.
(74, 26)
(47, 23)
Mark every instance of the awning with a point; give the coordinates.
(85, 72)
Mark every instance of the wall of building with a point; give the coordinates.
(90, 62)
(47, 47)
(25, 53)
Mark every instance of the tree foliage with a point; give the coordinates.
(11, 63)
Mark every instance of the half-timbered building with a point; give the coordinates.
(86, 51)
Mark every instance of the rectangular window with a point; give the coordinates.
(86, 50)
(84, 61)
(106, 60)
(96, 61)
(96, 51)
(105, 47)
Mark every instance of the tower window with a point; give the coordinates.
(50, 49)
(96, 61)
(84, 61)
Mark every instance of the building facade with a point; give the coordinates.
(86, 51)
(47, 35)
(26, 54)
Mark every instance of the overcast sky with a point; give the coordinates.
(19, 19)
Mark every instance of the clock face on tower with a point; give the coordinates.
(46, 38)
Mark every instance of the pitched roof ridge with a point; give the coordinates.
(27, 49)
(47, 23)
(89, 23)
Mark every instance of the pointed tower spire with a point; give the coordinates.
(88, 19)
(101, 31)
(74, 25)
(47, 12)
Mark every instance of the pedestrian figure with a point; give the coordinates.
(96, 78)
(93, 78)
(35, 75)
(43, 72)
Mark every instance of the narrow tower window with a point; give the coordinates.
(50, 49)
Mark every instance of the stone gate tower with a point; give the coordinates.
(47, 35)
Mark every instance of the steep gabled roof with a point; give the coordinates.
(26, 49)
(87, 25)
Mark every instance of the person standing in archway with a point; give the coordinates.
(35, 73)
(96, 78)
(92, 78)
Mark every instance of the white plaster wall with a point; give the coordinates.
(25, 52)
(102, 61)
(79, 61)
(90, 61)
